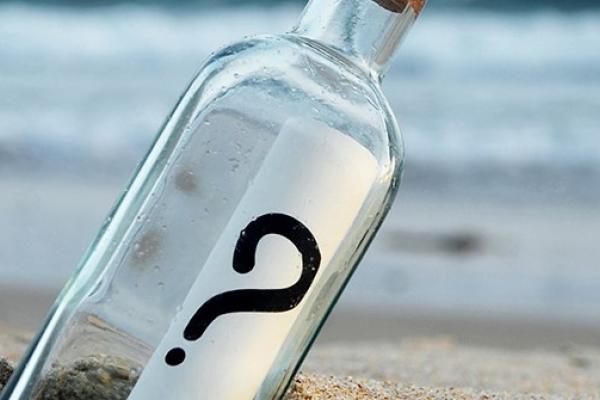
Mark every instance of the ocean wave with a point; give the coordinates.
(468, 88)
(507, 5)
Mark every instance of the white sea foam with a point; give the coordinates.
(467, 86)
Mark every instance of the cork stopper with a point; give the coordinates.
(399, 6)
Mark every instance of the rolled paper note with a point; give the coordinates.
(276, 246)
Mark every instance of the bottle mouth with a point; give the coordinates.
(399, 6)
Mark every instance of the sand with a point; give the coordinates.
(433, 368)
(5, 371)
(105, 378)
(334, 388)
(12, 344)
(442, 364)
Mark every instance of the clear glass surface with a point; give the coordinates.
(138, 272)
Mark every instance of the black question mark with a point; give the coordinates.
(257, 300)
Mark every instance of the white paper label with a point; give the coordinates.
(281, 237)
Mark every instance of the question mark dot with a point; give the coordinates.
(175, 357)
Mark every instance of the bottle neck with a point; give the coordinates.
(366, 31)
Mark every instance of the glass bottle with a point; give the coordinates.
(238, 232)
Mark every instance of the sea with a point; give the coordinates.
(499, 103)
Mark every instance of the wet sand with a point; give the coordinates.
(25, 308)
(464, 251)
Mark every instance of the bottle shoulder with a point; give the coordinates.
(287, 75)
(279, 55)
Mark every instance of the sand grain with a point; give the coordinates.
(423, 369)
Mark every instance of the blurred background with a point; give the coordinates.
(494, 236)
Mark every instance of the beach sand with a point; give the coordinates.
(428, 368)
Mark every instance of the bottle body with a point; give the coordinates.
(277, 137)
